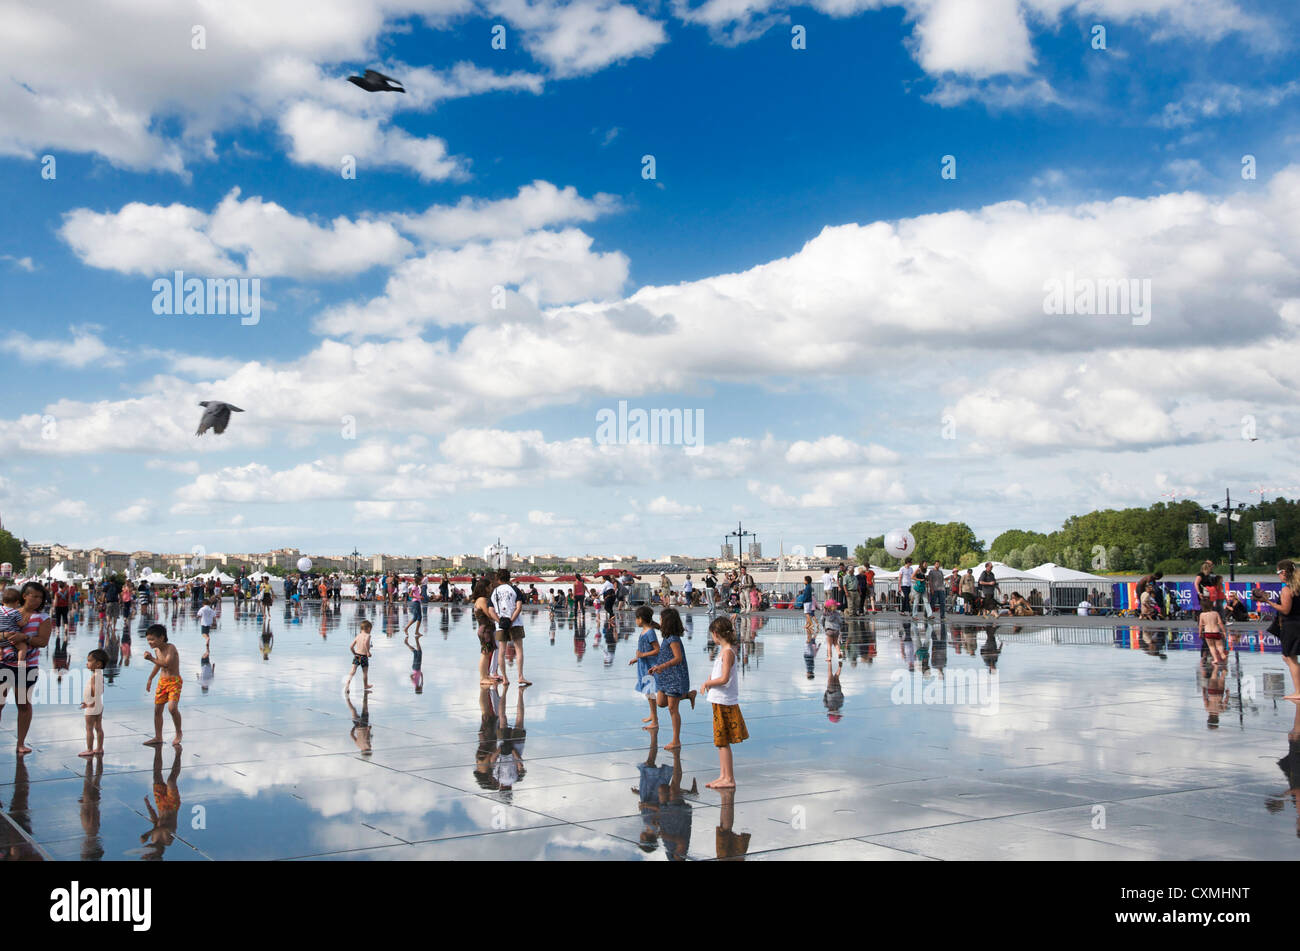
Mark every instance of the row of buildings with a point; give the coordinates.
(86, 561)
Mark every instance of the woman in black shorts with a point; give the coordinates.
(1288, 612)
(487, 643)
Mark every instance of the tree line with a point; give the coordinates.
(1111, 540)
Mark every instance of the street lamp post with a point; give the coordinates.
(740, 535)
(1229, 514)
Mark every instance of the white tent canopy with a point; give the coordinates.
(1004, 572)
(1057, 574)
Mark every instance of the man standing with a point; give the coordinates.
(711, 589)
(855, 592)
(988, 588)
(688, 592)
(905, 586)
(934, 586)
(112, 602)
(868, 589)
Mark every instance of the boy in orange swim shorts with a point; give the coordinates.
(166, 663)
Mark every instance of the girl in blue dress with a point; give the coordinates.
(647, 651)
(672, 678)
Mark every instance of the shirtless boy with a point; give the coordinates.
(167, 667)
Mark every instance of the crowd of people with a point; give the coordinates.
(32, 616)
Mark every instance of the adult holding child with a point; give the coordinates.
(36, 627)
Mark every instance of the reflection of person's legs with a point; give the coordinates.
(1294, 666)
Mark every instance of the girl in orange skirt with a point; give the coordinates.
(728, 724)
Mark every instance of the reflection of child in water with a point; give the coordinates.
(206, 672)
(1215, 695)
(92, 846)
(833, 698)
(417, 662)
(168, 797)
(360, 731)
(809, 655)
(728, 844)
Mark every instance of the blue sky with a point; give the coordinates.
(865, 338)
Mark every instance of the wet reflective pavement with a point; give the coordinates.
(926, 743)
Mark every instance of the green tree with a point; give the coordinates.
(1144, 555)
(883, 559)
(1011, 540)
(11, 550)
(1072, 558)
(1034, 555)
(947, 542)
(1171, 566)
(1015, 558)
(970, 560)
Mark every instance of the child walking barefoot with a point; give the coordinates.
(672, 679)
(360, 658)
(167, 663)
(728, 724)
(1212, 634)
(92, 701)
(647, 646)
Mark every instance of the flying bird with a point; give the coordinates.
(376, 82)
(216, 417)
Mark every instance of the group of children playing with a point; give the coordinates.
(166, 660)
(662, 677)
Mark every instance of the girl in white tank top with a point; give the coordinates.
(723, 692)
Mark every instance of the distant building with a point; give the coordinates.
(831, 551)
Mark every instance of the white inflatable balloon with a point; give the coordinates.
(146, 572)
(900, 543)
(304, 564)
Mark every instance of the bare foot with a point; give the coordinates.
(24, 748)
(525, 683)
(720, 784)
(99, 752)
(177, 742)
(674, 746)
(648, 720)
(86, 753)
(156, 741)
(713, 785)
(691, 697)
(653, 728)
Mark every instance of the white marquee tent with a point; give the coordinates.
(1059, 575)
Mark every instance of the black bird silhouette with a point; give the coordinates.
(216, 417)
(376, 82)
